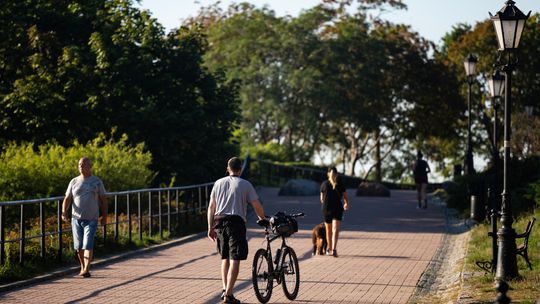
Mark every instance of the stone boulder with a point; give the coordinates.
(300, 187)
(372, 189)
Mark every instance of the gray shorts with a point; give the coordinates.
(83, 233)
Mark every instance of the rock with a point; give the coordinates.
(372, 189)
(300, 187)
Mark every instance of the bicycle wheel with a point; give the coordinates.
(260, 275)
(290, 275)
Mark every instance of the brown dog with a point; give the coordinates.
(318, 237)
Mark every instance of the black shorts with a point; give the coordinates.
(333, 215)
(231, 237)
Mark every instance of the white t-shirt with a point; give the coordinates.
(232, 194)
(85, 193)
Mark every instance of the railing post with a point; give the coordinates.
(169, 211)
(139, 215)
(2, 234)
(200, 199)
(186, 210)
(160, 215)
(177, 210)
(105, 226)
(206, 198)
(22, 236)
(193, 205)
(129, 218)
(116, 217)
(150, 213)
(42, 229)
(59, 218)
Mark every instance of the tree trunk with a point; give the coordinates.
(378, 169)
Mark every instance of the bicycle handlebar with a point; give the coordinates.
(265, 222)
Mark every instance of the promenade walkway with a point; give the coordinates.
(385, 245)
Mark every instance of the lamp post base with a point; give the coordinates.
(506, 257)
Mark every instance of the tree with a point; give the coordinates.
(331, 79)
(71, 70)
(481, 40)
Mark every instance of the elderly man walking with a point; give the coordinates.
(87, 193)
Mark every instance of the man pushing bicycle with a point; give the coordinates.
(227, 223)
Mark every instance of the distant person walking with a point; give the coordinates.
(87, 193)
(420, 172)
(332, 195)
(227, 223)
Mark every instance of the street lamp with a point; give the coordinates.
(470, 71)
(496, 89)
(509, 23)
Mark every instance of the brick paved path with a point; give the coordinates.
(385, 246)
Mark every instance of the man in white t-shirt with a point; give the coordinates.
(88, 195)
(227, 223)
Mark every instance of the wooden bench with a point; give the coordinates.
(522, 249)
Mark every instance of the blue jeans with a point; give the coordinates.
(83, 233)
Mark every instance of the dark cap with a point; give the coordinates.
(235, 164)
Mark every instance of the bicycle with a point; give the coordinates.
(283, 268)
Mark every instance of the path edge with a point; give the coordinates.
(101, 262)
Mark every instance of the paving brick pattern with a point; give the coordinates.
(385, 245)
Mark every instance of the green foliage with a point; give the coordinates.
(71, 70)
(29, 172)
(269, 151)
(534, 192)
(458, 193)
(523, 187)
(480, 39)
(331, 79)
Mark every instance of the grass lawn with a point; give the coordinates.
(525, 289)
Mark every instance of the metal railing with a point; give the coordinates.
(142, 208)
(177, 201)
(268, 173)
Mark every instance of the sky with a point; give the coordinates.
(431, 18)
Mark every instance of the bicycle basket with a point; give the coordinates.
(283, 225)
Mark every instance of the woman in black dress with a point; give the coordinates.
(332, 194)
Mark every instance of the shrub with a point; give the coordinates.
(269, 151)
(30, 172)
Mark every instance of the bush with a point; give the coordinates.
(28, 172)
(523, 186)
(458, 193)
(269, 151)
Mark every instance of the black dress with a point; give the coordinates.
(332, 207)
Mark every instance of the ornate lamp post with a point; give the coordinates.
(496, 89)
(509, 23)
(470, 71)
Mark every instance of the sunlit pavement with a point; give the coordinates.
(384, 247)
